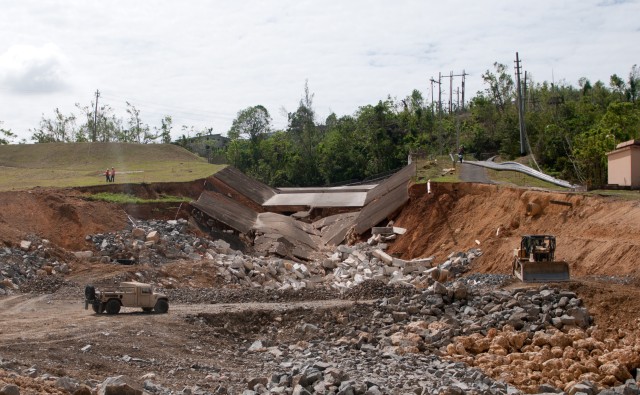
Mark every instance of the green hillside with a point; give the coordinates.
(80, 164)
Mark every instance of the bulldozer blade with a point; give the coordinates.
(532, 272)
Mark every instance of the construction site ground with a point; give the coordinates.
(598, 236)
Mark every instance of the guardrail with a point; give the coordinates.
(519, 167)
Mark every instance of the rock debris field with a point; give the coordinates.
(357, 319)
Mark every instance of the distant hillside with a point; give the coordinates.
(80, 164)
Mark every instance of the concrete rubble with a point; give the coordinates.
(156, 243)
(441, 340)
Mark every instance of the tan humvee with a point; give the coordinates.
(127, 294)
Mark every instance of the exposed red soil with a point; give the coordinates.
(62, 216)
(596, 235)
(66, 216)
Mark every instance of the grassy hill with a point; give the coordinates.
(80, 164)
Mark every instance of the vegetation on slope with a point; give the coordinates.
(82, 164)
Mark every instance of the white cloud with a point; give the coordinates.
(31, 69)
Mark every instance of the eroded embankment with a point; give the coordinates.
(596, 235)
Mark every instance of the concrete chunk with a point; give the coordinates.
(153, 236)
(382, 230)
(383, 256)
(397, 262)
(83, 254)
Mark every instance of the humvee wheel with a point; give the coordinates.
(97, 307)
(161, 307)
(147, 309)
(113, 306)
(89, 292)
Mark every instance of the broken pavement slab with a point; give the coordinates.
(383, 256)
(233, 200)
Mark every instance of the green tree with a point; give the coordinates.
(164, 132)
(6, 136)
(249, 128)
(306, 136)
(500, 86)
(633, 86)
(620, 123)
(341, 154)
(251, 123)
(138, 131)
(60, 128)
(107, 128)
(275, 166)
(379, 132)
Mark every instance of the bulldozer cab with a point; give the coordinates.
(535, 260)
(538, 248)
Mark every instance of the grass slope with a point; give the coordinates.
(80, 164)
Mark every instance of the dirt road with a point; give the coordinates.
(178, 348)
(473, 173)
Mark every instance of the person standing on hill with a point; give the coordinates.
(461, 153)
(107, 174)
(113, 174)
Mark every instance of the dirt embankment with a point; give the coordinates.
(598, 236)
(62, 216)
(66, 216)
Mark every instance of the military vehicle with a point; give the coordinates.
(127, 294)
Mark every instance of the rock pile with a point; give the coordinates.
(34, 257)
(362, 373)
(148, 242)
(158, 242)
(424, 343)
(352, 265)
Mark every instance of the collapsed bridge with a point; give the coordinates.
(297, 222)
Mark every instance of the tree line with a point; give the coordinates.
(568, 131)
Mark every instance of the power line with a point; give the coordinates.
(196, 112)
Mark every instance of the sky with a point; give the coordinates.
(203, 61)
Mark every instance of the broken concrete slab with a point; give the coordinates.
(382, 230)
(383, 256)
(399, 231)
(234, 201)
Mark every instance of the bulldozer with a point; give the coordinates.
(535, 260)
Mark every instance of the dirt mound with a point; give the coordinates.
(61, 216)
(596, 235)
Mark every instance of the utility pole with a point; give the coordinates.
(439, 92)
(432, 81)
(450, 92)
(450, 76)
(525, 98)
(520, 106)
(95, 118)
(463, 75)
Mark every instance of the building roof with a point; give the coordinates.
(625, 145)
